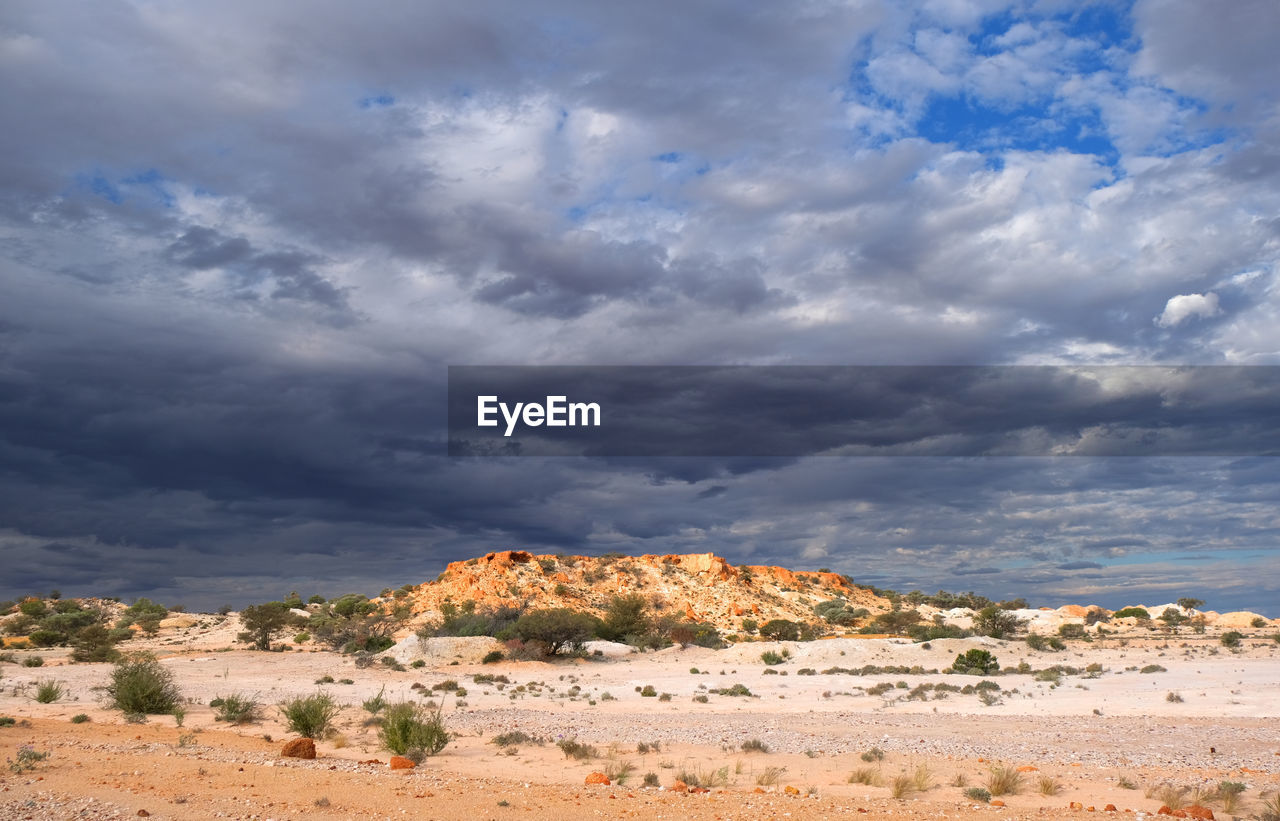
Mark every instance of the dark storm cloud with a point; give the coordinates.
(909, 411)
(1080, 566)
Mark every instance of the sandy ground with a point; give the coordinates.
(1094, 734)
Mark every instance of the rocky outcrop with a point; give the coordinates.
(299, 748)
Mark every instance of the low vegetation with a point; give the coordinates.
(310, 716)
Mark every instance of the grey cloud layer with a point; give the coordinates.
(239, 242)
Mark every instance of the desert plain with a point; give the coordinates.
(1130, 721)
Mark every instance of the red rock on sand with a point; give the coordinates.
(1200, 811)
(598, 778)
(299, 748)
(399, 762)
(679, 786)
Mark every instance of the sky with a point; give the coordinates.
(241, 243)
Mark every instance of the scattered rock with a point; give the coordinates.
(790, 790)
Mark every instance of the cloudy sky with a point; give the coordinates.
(240, 243)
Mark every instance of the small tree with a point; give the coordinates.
(780, 630)
(1189, 603)
(556, 629)
(262, 622)
(996, 623)
(625, 618)
(95, 643)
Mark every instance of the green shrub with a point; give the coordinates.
(377, 704)
(235, 709)
(995, 622)
(79, 718)
(491, 657)
(649, 691)
(1133, 613)
(409, 728)
(48, 691)
(1154, 668)
(755, 745)
(572, 748)
(735, 690)
(1231, 639)
(95, 643)
(975, 662)
(309, 716)
(874, 754)
(33, 661)
(979, 794)
(770, 657)
(139, 684)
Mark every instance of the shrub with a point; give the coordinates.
(1258, 621)
(1132, 613)
(309, 716)
(770, 776)
(514, 737)
(995, 622)
(27, 758)
(1154, 668)
(1173, 698)
(874, 754)
(735, 690)
(79, 718)
(556, 629)
(491, 657)
(902, 785)
(755, 745)
(1231, 639)
(865, 775)
(1074, 631)
(375, 705)
(408, 727)
(48, 691)
(651, 779)
(33, 661)
(139, 684)
(1004, 781)
(648, 691)
(572, 748)
(976, 662)
(625, 619)
(94, 643)
(235, 709)
(770, 657)
(979, 794)
(780, 630)
(1048, 785)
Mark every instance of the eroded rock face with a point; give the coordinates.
(299, 748)
(701, 586)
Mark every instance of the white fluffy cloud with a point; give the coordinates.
(1184, 306)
